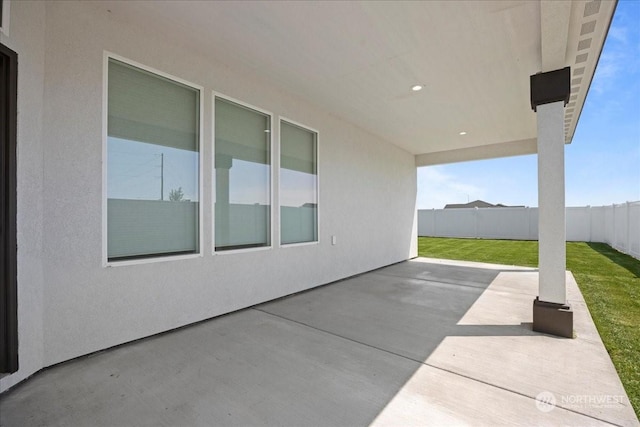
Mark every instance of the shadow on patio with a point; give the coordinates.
(420, 342)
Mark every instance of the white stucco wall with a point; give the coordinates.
(367, 196)
(26, 38)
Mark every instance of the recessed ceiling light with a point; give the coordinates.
(416, 88)
(463, 133)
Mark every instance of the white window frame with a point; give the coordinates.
(215, 95)
(105, 113)
(6, 14)
(303, 126)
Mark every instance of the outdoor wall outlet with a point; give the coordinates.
(333, 240)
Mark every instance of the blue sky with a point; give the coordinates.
(134, 170)
(602, 162)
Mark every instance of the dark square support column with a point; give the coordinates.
(551, 318)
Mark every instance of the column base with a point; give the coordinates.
(551, 318)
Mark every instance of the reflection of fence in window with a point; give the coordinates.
(299, 224)
(141, 227)
(617, 225)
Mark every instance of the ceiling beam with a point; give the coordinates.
(554, 33)
(481, 152)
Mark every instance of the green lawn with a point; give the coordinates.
(608, 279)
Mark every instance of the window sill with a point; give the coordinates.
(243, 250)
(150, 260)
(295, 245)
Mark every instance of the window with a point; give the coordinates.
(8, 255)
(298, 184)
(153, 164)
(242, 177)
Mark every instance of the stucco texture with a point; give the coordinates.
(73, 303)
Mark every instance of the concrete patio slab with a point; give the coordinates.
(416, 343)
(247, 368)
(578, 371)
(483, 330)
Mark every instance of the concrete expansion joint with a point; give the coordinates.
(334, 334)
(440, 282)
(518, 393)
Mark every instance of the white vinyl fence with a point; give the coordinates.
(616, 225)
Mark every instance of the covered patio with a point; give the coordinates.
(335, 326)
(421, 342)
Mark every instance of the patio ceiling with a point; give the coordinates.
(359, 61)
